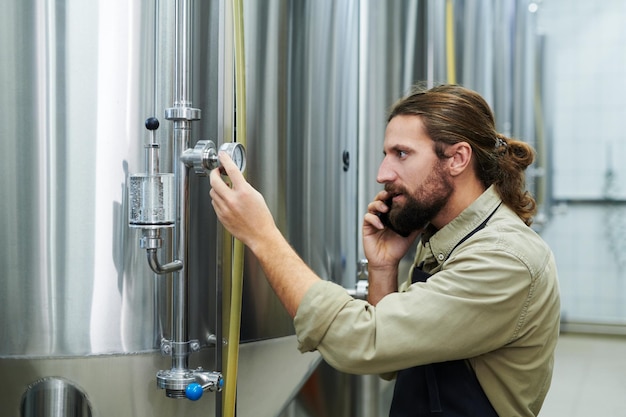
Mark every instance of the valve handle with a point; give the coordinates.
(152, 123)
(194, 391)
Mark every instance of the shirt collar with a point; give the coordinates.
(441, 242)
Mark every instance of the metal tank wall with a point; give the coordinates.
(82, 314)
(302, 94)
(68, 129)
(302, 132)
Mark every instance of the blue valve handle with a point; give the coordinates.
(194, 391)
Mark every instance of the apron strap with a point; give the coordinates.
(420, 276)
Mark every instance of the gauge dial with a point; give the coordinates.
(237, 153)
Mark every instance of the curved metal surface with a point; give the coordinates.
(82, 79)
(302, 139)
(71, 135)
(120, 385)
(55, 397)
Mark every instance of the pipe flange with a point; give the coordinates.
(182, 113)
(203, 158)
(174, 382)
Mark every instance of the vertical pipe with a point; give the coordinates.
(235, 249)
(181, 278)
(182, 53)
(224, 102)
(450, 42)
(182, 133)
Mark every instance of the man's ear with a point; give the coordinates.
(460, 158)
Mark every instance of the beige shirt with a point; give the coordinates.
(494, 301)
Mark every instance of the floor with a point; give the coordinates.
(589, 381)
(589, 377)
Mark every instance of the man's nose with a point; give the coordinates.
(385, 172)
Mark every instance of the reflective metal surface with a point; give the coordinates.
(121, 385)
(78, 94)
(55, 397)
(302, 139)
(79, 300)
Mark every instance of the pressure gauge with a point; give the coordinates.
(203, 157)
(237, 153)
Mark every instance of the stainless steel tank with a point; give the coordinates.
(83, 317)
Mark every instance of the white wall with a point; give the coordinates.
(585, 107)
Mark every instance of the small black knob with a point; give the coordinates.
(152, 123)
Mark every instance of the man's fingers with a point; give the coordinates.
(377, 207)
(374, 221)
(217, 183)
(231, 169)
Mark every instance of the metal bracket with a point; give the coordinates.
(167, 346)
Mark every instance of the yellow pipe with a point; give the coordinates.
(234, 247)
(450, 52)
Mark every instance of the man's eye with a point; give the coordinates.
(401, 154)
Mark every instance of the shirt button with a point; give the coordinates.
(440, 256)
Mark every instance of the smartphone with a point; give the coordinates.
(384, 217)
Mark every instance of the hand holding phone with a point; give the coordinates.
(384, 217)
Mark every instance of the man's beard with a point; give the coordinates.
(422, 206)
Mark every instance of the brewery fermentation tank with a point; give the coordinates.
(84, 317)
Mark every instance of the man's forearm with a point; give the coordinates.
(381, 282)
(286, 272)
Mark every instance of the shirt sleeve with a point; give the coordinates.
(473, 306)
(317, 312)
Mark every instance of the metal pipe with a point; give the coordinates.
(182, 53)
(181, 278)
(152, 158)
(151, 241)
(224, 73)
(182, 138)
(156, 266)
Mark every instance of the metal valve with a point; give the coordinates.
(205, 381)
(203, 157)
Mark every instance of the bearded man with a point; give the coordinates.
(473, 329)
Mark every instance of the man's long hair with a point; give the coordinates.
(452, 114)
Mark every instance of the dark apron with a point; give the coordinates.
(446, 389)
